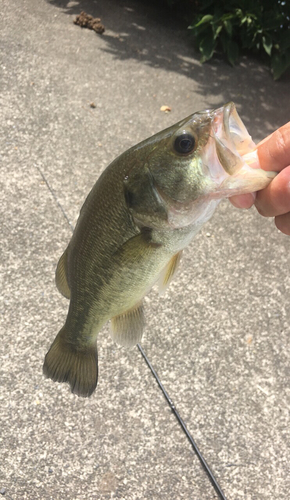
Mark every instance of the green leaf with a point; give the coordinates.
(206, 47)
(248, 39)
(267, 44)
(227, 15)
(216, 30)
(279, 64)
(224, 38)
(228, 27)
(204, 19)
(232, 52)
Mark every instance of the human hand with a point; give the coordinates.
(274, 200)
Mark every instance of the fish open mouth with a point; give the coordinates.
(236, 155)
(231, 137)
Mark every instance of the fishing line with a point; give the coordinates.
(154, 373)
(55, 197)
(184, 428)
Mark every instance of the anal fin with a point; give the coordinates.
(127, 328)
(61, 276)
(168, 272)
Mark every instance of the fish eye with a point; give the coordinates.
(184, 143)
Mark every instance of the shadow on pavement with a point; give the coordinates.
(128, 37)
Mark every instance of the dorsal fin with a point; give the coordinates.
(168, 272)
(61, 276)
(127, 328)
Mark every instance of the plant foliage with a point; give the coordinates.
(261, 26)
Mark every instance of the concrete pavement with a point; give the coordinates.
(219, 338)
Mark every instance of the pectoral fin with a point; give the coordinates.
(127, 328)
(61, 276)
(169, 272)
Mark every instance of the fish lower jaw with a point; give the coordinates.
(247, 180)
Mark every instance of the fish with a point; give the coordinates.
(144, 209)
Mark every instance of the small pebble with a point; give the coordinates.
(2, 491)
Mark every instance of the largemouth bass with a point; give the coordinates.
(145, 208)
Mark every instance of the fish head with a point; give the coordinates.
(180, 174)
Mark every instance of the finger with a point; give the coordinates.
(275, 198)
(283, 223)
(274, 151)
(243, 200)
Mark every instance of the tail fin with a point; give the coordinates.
(64, 362)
